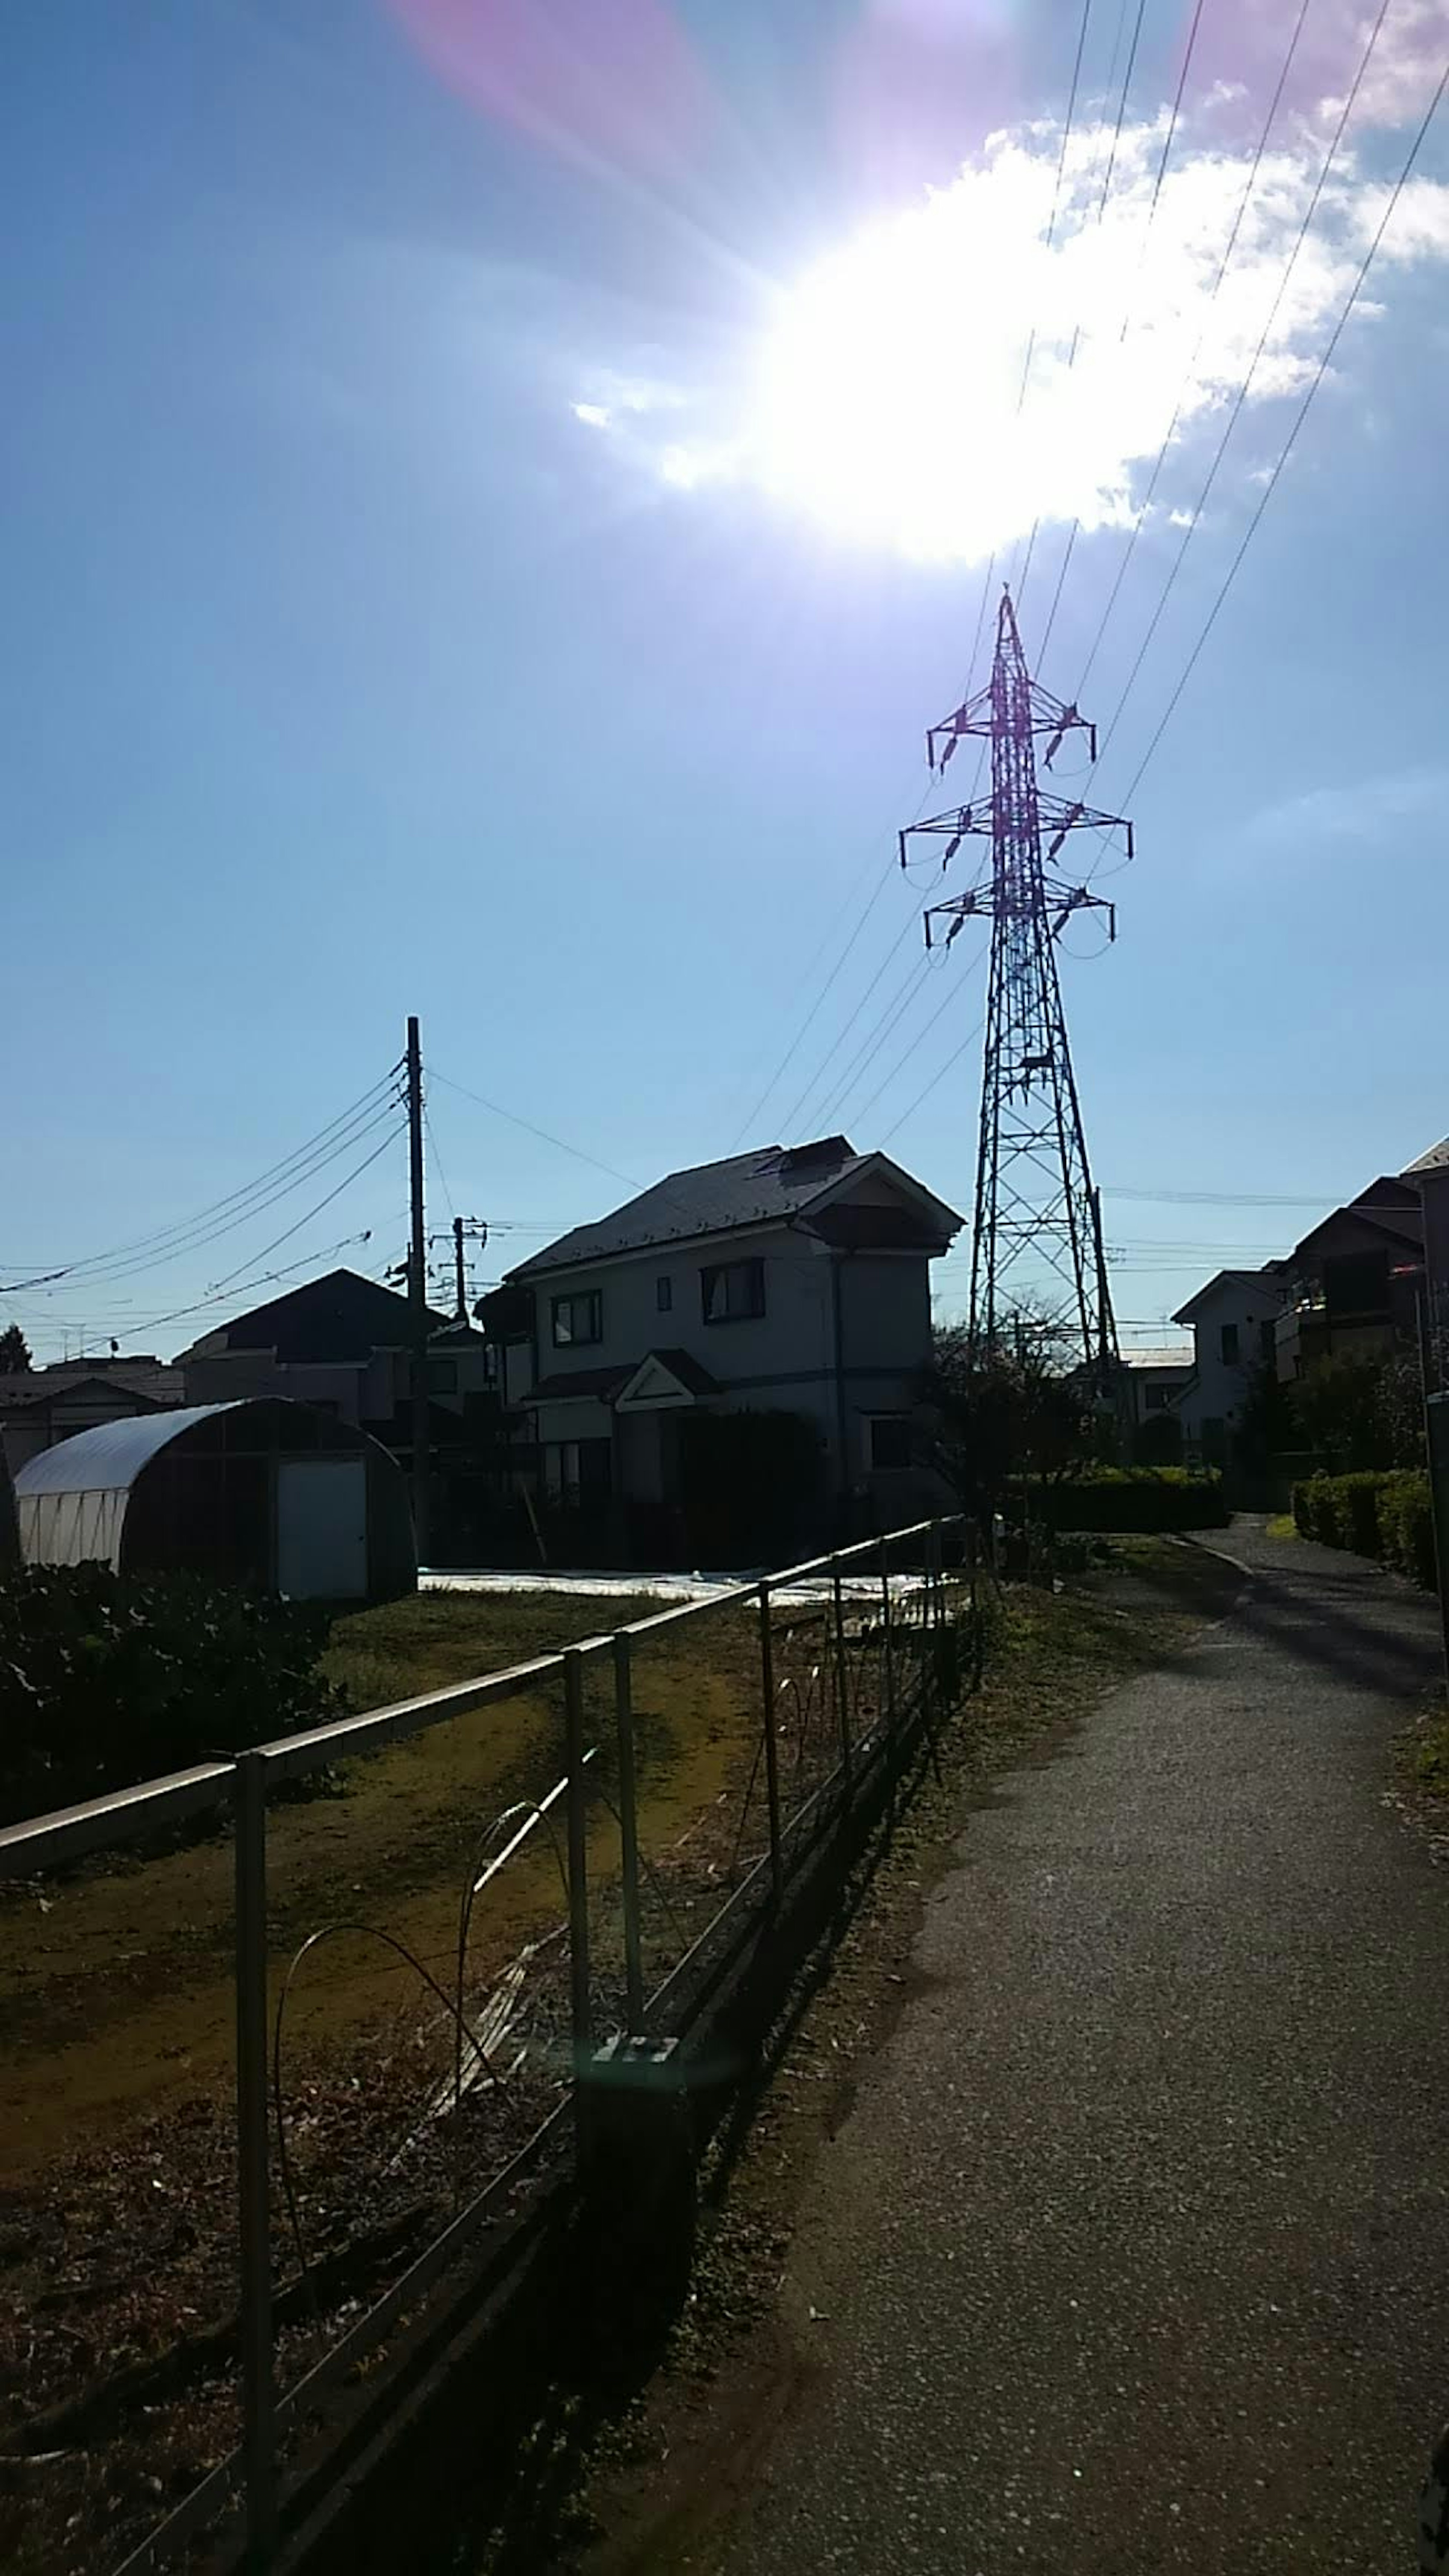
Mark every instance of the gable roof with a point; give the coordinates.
(340, 1316)
(775, 1184)
(1435, 1160)
(87, 1389)
(1268, 1273)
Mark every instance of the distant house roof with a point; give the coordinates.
(1179, 1356)
(341, 1316)
(774, 1184)
(1435, 1160)
(84, 1389)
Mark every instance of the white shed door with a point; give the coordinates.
(322, 1529)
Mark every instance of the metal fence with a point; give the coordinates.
(586, 1912)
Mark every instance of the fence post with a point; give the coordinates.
(578, 1855)
(772, 1760)
(931, 1675)
(888, 1638)
(841, 1694)
(628, 1832)
(259, 2448)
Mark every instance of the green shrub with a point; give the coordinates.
(1389, 1516)
(106, 1678)
(1406, 1525)
(1136, 1499)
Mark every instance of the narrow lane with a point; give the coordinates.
(1133, 2253)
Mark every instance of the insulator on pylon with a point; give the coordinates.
(926, 918)
(949, 753)
(956, 925)
(901, 838)
(1054, 746)
(952, 846)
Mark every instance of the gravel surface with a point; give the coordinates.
(1133, 2253)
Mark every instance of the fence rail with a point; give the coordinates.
(847, 1651)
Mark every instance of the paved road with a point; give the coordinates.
(1134, 2251)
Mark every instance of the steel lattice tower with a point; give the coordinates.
(1037, 1213)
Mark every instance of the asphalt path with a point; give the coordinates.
(1133, 2252)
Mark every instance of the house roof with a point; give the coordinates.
(774, 1184)
(340, 1316)
(1435, 1160)
(87, 1389)
(1179, 1356)
(1269, 1272)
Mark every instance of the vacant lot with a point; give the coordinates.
(115, 1980)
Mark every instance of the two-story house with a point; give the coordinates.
(1233, 1320)
(791, 1279)
(1351, 1285)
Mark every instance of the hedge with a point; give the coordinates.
(1389, 1516)
(1137, 1499)
(106, 1679)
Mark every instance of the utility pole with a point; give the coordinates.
(418, 1291)
(1036, 1209)
(460, 1274)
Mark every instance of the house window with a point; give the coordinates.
(732, 1290)
(1156, 1398)
(890, 1441)
(577, 1319)
(1228, 1345)
(1267, 1339)
(663, 1295)
(442, 1377)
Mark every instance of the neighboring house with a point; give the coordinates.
(38, 1407)
(1233, 1321)
(1351, 1286)
(788, 1280)
(344, 1344)
(1151, 1383)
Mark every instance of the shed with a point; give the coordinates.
(271, 1495)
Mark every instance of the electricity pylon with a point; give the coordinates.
(1037, 1213)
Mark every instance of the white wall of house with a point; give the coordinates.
(782, 1360)
(1233, 1327)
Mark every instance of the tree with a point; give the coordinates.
(1018, 1414)
(1362, 1411)
(14, 1351)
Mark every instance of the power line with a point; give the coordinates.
(1191, 368)
(162, 1235)
(830, 1090)
(865, 997)
(1299, 418)
(345, 1183)
(542, 1133)
(438, 1163)
(1141, 256)
(1237, 407)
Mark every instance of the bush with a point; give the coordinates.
(106, 1679)
(1389, 1516)
(1137, 1499)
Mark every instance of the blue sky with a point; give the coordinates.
(350, 669)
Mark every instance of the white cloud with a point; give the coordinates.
(593, 415)
(1362, 810)
(882, 394)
